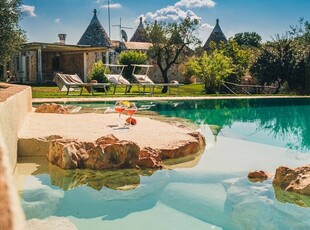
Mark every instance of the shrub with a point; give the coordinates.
(97, 73)
(131, 57)
(211, 68)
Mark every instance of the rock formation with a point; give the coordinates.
(258, 176)
(56, 108)
(293, 180)
(52, 108)
(183, 148)
(108, 152)
(105, 153)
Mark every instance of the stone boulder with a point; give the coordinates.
(105, 153)
(108, 152)
(56, 108)
(51, 108)
(183, 148)
(258, 176)
(293, 180)
(149, 158)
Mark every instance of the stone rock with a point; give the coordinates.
(258, 176)
(108, 152)
(51, 108)
(149, 158)
(291, 197)
(183, 148)
(293, 180)
(105, 153)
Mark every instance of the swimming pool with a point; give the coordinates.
(241, 134)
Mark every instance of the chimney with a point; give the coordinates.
(62, 38)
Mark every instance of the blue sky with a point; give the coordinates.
(44, 19)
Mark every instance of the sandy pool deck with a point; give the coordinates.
(91, 126)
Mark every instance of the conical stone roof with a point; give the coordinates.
(95, 35)
(140, 34)
(216, 36)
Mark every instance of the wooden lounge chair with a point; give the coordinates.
(72, 82)
(115, 76)
(144, 80)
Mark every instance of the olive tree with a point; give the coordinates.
(170, 41)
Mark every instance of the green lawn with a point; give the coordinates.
(54, 92)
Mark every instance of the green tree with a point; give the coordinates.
(131, 57)
(11, 36)
(240, 57)
(170, 41)
(276, 62)
(97, 73)
(250, 39)
(300, 35)
(212, 68)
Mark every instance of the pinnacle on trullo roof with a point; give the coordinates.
(95, 35)
(140, 34)
(216, 36)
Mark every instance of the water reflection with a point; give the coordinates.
(124, 179)
(291, 197)
(284, 120)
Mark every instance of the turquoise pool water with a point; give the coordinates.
(242, 135)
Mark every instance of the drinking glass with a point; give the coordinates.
(119, 108)
(130, 110)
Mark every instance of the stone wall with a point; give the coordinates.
(15, 104)
(173, 74)
(72, 64)
(11, 214)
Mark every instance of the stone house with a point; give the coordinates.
(38, 62)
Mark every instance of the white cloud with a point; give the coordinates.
(27, 10)
(174, 13)
(195, 3)
(112, 6)
(170, 13)
(206, 26)
(57, 20)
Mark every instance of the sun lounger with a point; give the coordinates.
(144, 80)
(115, 76)
(72, 82)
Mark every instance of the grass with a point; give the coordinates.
(54, 92)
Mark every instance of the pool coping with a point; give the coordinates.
(55, 100)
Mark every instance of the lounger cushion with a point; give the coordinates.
(144, 80)
(119, 80)
(113, 80)
(123, 81)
